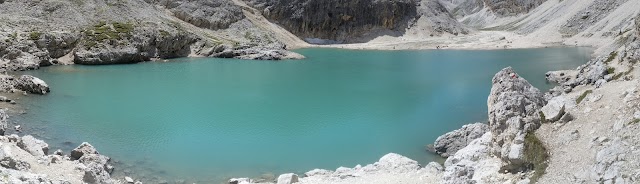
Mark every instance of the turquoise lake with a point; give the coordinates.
(206, 120)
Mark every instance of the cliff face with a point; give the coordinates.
(338, 19)
(512, 7)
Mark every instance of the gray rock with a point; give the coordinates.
(513, 112)
(32, 84)
(239, 180)
(450, 143)
(600, 82)
(140, 43)
(316, 172)
(7, 160)
(3, 121)
(566, 118)
(128, 179)
(434, 166)
(396, 161)
(559, 77)
(461, 167)
(97, 168)
(554, 110)
(288, 178)
(58, 152)
(84, 148)
(35, 147)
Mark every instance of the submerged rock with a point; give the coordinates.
(449, 143)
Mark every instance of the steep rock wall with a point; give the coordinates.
(339, 20)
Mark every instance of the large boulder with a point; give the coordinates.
(9, 160)
(84, 149)
(32, 84)
(396, 161)
(288, 178)
(125, 43)
(113, 55)
(98, 169)
(35, 147)
(469, 161)
(554, 109)
(513, 112)
(449, 143)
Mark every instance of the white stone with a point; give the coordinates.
(288, 178)
(128, 179)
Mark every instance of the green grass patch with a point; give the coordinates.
(612, 56)
(634, 121)
(584, 95)
(542, 117)
(611, 70)
(35, 35)
(535, 154)
(107, 32)
(164, 33)
(618, 76)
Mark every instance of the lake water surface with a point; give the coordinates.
(205, 120)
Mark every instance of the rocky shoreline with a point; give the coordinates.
(530, 136)
(27, 160)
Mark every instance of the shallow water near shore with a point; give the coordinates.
(205, 120)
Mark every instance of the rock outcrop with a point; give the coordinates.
(449, 143)
(26, 83)
(514, 106)
(32, 84)
(121, 43)
(34, 146)
(84, 149)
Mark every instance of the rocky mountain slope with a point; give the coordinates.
(41, 33)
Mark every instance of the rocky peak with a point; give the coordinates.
(513, 112)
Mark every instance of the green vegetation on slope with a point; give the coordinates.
(535, 154)
(103, 31)
(584, 95)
